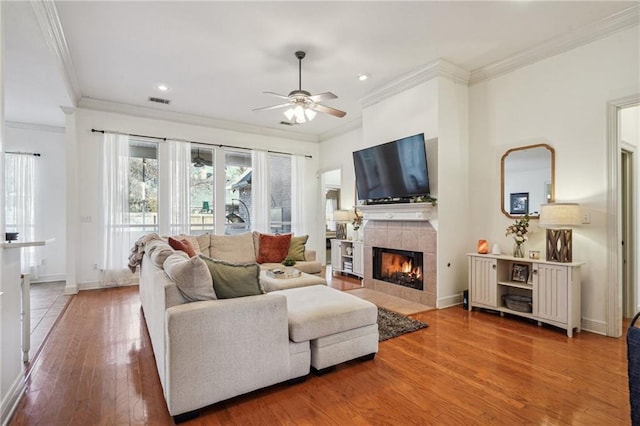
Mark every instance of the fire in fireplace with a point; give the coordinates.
(400, 267)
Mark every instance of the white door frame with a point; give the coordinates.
(614, 224)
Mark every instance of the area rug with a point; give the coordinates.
(391, 324)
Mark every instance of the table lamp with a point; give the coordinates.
(341, 217)
(556, 217)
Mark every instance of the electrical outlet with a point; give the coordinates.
(43, 262)
(94, 267)
(586, 217)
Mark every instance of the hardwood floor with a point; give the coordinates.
(97, 367)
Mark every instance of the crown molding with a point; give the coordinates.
(342, 129)
(438, 68)
(586, 34)
(49, 21)
(32, 126)
(144, 112)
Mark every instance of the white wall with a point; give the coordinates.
(50, 200)
(438, 108)
(86, 161)
(563, 101)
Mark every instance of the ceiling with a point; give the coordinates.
(218, 57)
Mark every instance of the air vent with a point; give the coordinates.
(159, 100)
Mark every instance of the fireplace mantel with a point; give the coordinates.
(405, 211)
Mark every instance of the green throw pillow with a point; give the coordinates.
(297, 247)
(234, 279)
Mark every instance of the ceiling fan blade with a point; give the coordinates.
(272, 107)
(329, 110)
(320, 97)
(276, 94)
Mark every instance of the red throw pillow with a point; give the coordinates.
(273, 248)
(182, 245)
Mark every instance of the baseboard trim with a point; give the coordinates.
(97, 285)
(49, 278)
(449, 301)
(11, 400)
(594, 326)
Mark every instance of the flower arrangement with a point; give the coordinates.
(519, 230)
(357, 220)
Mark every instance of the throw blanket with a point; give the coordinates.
(137, 251)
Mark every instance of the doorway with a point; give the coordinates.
(622, 225)
(331, 189)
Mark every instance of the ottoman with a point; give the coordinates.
(272, 284)
(339, 326)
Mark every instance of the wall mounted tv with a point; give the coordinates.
(394, 171)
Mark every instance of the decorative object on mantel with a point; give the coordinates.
(392, 324)
(483, 247)
(519, 233)
(556, 217)
(356, 222)
(425, 199)
(10, 236)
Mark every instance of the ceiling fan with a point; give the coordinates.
(302, 104)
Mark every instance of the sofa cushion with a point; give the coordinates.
(234, 279)
(191, 276)
(182, 245)
(158, 251)
(273, 248)
(233, 248)
(319, 311)
(204, 242)
(297, 247)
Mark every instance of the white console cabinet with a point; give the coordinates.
(554, 288)
(347, 257)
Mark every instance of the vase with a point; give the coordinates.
(518, 250)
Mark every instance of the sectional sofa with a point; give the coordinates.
(217, 334)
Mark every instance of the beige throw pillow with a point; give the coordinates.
(233, 248)
(234, 280)
(191, 276)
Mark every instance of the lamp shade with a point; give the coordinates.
(342, 216)
(559, 214)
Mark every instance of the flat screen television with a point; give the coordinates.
(393, 170)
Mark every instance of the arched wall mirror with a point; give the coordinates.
(527, 180)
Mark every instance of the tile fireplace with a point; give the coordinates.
(409, 268)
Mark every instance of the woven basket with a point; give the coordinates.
(518, 303)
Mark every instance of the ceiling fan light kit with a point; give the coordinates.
(303, 106)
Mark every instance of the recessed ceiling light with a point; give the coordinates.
(162, 87)
(363, 76)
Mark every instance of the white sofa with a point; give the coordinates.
(212, 350)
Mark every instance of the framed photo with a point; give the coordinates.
(520, 272)
(519, 203)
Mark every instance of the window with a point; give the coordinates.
(143, 187)
(280, 191)
(238, 192)
(202, 191)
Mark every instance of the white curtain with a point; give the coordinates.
(260, 203)
(298, 213)
(179, 193)
(115, 219)
(20, 212)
